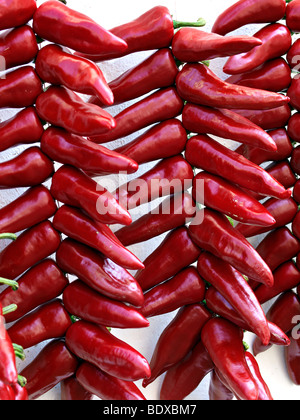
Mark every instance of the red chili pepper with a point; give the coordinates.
(175, 252)
(292, 56)
(292, 358)
(6, 392)
(264, 393)
(182, 334)
(223, 341)
(53, 364)
(13, 14)
(293, 127)
(232, 285)
(20, 88)
(58, 67)
(173, 212)
(20, 392)
(57, 104)
(8, 368)
(105, 386)
(32, 207)
(95, 344)
(40, 284)
(293, 93)
(76, 225)
(217, 390)
(226, 124)
(100, 273)
(50, 320)
(244, 12)
(58, 23)
(228, 244)
(31, 247)
(296, 225)
(94, 159)
(24, 127)
(221, 195)
(73, 187)
(208, 154)
(277, 40)
(89, 305)
(164, 140)
(198, 84)
(296, 192)
(292, 16)
(72, 390)
(183, 378)
(155, 72)
(274, 76)
(185, 288)
(156, 107)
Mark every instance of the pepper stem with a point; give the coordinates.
(14, 284)
(11, 236)
(19, 351)
(9, 308)
(179, 24)
(22, 381)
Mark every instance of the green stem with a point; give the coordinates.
(22, 381)
(11, 236)
(9, 308)
(14, 284)
(19, 351)
(178, 24)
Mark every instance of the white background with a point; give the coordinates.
(110, 14)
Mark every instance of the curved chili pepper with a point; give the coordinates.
(274, 76)
(292, 16)
(169, 176)
(293, 127)
(198, 84)
(219, 194)
(31, 247)
(13, 14)
(175, 252)
(58, 23)
(53, 364)
(156, 107)
(94, 159)
(264, 393)
(89, 305)
(76, 225)
(18, 46)
(228, 244)
(32, 207)
(95, 344)
(296, 192)
(20, 88)
(72, 390)
(292, 358)
(182, 334)
(101, 274)
(50, 320)
(58, 67)
(292, 56)
(276, 41)
(105, 386)
(244, 12)
(40, 284)
(206, 153)
(6, 392)
(226, 124)
(8, 368)
(155, 72)
(73, 187)
(23, 128)
(217, 390)
(223, 341)
(173, 212)
(293, 93)
(57, 104)
(185, 288)
(183, 378)
(30, 168)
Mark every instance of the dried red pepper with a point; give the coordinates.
(13, 14)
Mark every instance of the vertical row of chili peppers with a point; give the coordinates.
(205, 267)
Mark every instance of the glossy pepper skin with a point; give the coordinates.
(217, 390)
(32, 207)
(174, 253)
(40, 284)
(73, 187)
(276, 39)
(8, 368)
(295, 160)
(105, 386)
(292, 56)
(30, 168)
(53, 364)
(156, 107)
(292, 357)
(206, 153)
(268, 119)
(226, 124)
(76, 225)
(293, 93)
(246, 12)
(95, 344)
(62, 25)
(48, 321)
(6, 392)
(72, 390)
(55, 66)
(198, 84)
(292, 16)
(182, 334)
(101, 274)
(89, 305)
(94, 159)
(264, 393)
(13, 14)
(24, 127)
(56, 106)
(228, 244)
